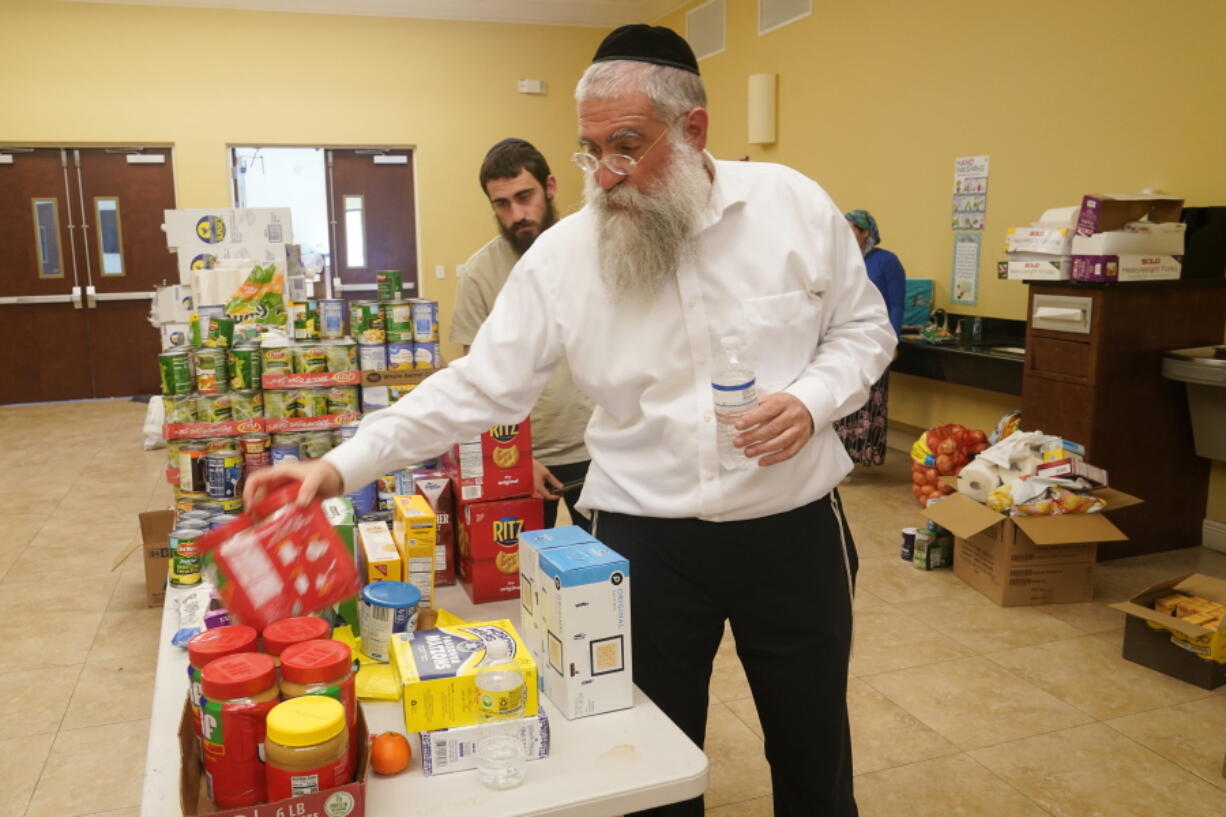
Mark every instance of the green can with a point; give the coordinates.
(175, 367)
(316, 443)
(343, 400)
(184, 557)
(180, 408)
(398, 321)
(215, 408)
(390, 284)
(305, 323)
(310, 358)
(276, 360)
(245, 365)
(312, 403)
(366, 322)
(211, 374)
(247, 404)
(221, 332)
(278, 403)
(342, 355)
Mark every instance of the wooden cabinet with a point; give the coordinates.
(1104, 388)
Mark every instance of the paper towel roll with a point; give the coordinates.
(978, 479)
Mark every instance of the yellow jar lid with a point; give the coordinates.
(306, 721)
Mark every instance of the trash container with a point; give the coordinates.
(1203, 371)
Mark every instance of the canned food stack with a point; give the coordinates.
(394, 333)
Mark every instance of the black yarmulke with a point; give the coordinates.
(644, 43)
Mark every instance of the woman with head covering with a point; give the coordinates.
(863, 433)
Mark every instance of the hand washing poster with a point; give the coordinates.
(970, 201)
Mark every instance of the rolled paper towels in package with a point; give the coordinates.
(978, 479)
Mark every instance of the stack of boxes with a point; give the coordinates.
(1128, 238)
(1041, 252)
(575, 599)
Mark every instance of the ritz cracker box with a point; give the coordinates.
(495, 465)
(489, 545)
(435, 670)
(1028, 560)
(1181, 649)
(531, 544)
(348, 800)
(584, 599)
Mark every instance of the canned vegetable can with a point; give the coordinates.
(425, 320)
(175, 368)
(332, 318)
(373, 358)
(399, 356)
(366, 322)
(247, 404)
(375, 398)
(343, 399)
(398, 321)
(425, 356)
(184, 567)
(180, 408)
(244, 367)
(221, 332)
(216, 408)
(390, 284)
(191, 467)
(211, 374)
(224, 473)
(310, 358)
(342, 355)
(285, 451)
(316, 443)
(277, 359)
(278, 404)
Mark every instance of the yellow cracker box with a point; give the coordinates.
(436, 669)
(378, 558)
(415, 529)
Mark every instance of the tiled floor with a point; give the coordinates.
(958, 706)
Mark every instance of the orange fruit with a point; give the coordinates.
(390, 753)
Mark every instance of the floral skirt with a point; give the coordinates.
(863, 432)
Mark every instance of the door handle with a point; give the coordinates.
(76, 297)
(90, 300)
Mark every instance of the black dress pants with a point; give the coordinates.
(785, 583)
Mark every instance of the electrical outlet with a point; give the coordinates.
(440, 271)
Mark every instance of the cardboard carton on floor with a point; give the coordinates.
(155, 550)
(1186, 651)
(1017, 561)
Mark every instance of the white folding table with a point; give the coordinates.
(607, 764)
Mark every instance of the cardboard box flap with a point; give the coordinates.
(1207, 587)
(962, 515)
(1193, 584)
(154, 530)
(1116, 499)
(1069, 529)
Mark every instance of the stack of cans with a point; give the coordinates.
(394, 333)
(186, 562)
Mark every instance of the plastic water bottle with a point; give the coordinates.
(501, 755)
(734, 392)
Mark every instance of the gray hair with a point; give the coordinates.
(672, 91)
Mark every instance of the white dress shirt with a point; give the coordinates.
(773, 259)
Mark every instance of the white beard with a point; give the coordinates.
(641, 240)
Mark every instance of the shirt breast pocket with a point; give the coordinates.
(783, 331)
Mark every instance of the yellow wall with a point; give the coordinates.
(201, 79)
(876, 100)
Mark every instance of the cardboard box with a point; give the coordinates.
(454, 750)
(435, 668)
(1055, 269)
(1120, 268)
(1057, 448)
(202, 228)
(339, 511)
(1099, 214)
(435, 488)
(155, 527)
(531, 544)
(1178, 648)
(585, 617)
(1027, 560)
(378, 558)
(488, 539)
(1046, 240)
(348, 800)
(496, 465)
(1071, 468)
(1129, 242)
(414, 529)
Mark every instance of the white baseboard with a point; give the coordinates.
(1214, 535)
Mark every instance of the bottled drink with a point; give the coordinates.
(501, 755)
(734, 391)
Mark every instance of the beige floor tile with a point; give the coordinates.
(738, 767)
(34, 701)
(1090, 674)
(757, 807)
(29, 600)
(127, 633)
(123, 812)
(1192, 735)
(1095, 770)
(885, 639)
(728, 681)
(747, 711)
(884, 735)
(20, 767)
(896, 581)
(866, 600)
(974, 702)
(942, 787)
(111, 690)
(1089, 617)
(975, 622)
(92, 769)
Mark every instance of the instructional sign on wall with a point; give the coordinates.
(964, 287)
(970, 200)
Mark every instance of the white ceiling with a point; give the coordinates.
(599, 13)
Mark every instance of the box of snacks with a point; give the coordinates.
(1177, 628)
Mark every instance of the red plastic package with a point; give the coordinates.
(281, 560)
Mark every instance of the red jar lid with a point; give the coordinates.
(215, 643)
(238, 676)
(313, 662)
(287, 631)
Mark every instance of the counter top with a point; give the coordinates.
(995, 365)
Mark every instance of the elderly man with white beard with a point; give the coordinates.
(673, 251)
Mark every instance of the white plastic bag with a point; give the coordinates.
(155, 416)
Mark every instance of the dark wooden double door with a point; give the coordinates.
(81, 251)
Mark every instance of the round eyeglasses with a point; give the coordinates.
(617, 163)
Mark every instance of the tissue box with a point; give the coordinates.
(1030, 559)
(1113, 268)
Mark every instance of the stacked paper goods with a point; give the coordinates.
(1128, 238)
(1041, 251)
